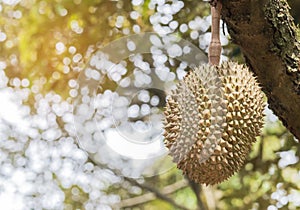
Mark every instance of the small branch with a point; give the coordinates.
(147, 197)
(157, 194)
(174, 187)
(197, 190)
(153, 194)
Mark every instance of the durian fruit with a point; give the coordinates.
(211, 120)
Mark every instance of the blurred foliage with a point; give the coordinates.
(253, 186)
(75, 24)
(50, 42)
(75, 198)
(37, 29)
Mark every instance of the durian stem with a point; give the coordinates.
(215, 48)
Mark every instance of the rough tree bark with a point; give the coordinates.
(266, 34)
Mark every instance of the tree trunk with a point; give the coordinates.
(266, 34)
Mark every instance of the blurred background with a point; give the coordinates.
(45, 46)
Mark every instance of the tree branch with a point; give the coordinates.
(153, 194)
(266, 34)
(197, 190)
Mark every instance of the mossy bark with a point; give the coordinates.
(267, 36)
